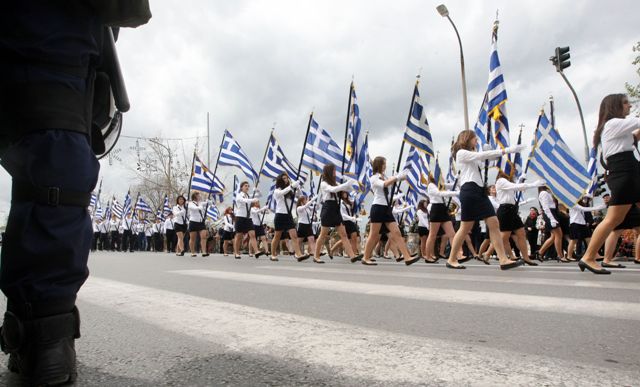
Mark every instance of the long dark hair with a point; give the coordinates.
(611, 107)
(502, 174)
(281, 184)
(344, 195)
(463, 142)
(377, 165)
(329, 174)
(422, 205)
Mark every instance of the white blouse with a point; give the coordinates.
(547, 203)
(506, 191)
(470, 163)
(617, 135)
(243, 203)
(228, 223)
(282, 202)
(438, 197)
(576, 213)
(179, 214)
(304, 213)
(377, 186)
(423, 219)
(346, 211)
(329, 192)
(256, 215)
(196, 211)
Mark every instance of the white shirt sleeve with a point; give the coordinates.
(466, 156)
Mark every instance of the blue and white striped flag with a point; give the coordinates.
(160, 214)
(552, 160)
(417, 132)
(417, 172)
(276, 163)
(412, 202)
(141, 205)
(94, 199)
(364, 168)
(213, 213)
(98, 214)
(437, 175)
(321, 150)
(166, 208)
(270, 201)
(451, 174)
(107, 213)
(116, 208)
(354, 143)
(592, 169)
(232, 155)
(127, 204)
(203, 180)
(236, 187)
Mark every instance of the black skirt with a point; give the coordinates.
(259, 230)
(243, 225)
(631, 220)
(509, 218)
(330, 214)
(423, 231)
(381, 214)
(304, 230)
(623, 178)
(196, 226)
(228, 235)
(180, 227)
(350, 227)
(547, 221)
(439, 213)
(283, 222)
(475, 203)
(578, 231)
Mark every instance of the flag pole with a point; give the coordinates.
(346, 131)
(304, 145)
(455, 182)
(413, 98)
(215, 170)
(264, 158)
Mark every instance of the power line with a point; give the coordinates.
(162, 138)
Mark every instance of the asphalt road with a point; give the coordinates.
(155, 319)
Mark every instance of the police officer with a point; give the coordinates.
(48, 55)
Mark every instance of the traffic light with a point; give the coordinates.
(561, 58)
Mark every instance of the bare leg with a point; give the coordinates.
(494, 232)
(192, 242)
(398, 241)
(274, 244)
(610, 245)
(431, 240)
(457, 241)
(372, 241)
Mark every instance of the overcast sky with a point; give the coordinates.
(253, 63)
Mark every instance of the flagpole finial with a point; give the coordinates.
(419, 73)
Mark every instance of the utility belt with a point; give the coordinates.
(23, 191)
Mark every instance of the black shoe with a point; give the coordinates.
(483, 260)
(356, 258)
(583, 266)
(613, 265)
(205, 255)
(465, 259)
(399, 259)
(42, 351)
(318, 261)
(636, 261)
(259, 254)
(511, 265)
(430, 261)
(413, 260)
(370, 263)
(238, 257)
(274, 259)
(459, 267)
(529, 262)
(303, 257)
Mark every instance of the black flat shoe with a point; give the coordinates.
(274, 259)
(511, 265)
(613, 265)
(441, 257)
(259, 254)
(530, 263)
(465, 259)
(303, 257)
(599, 259)
(318, 261)
(583, 266)
(636, 261)
(205, 255)
(412, 260)
(483, 260)
(537, 257)
(430, 261)
(399, 259)
(372, 259)
(238, 257)
(356, 258)
(369, 263)
(459, 267)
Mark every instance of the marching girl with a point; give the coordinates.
(180, 223)
(258, 227)
(283, 221)
(227, 230)
(196, 209)
(382, 214)
(243, 223)
(305, 228)
(631, 222)
(486, 249)
(423, 229)
(350, 221)
(552, 224)
(438, 218)
(578, 229)
(618, 135)
(508, 215)
(398, 214)
(475, 205)
(330, 214)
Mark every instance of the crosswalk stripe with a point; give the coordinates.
(448, 275)
(369, 354)
(595, 308)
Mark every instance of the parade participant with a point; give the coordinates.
(95, 225)
(475, 205)
(140, 230)
(399, 208)
(196, 209)
(578, 229)
(228, 234)
(148, 235)
(486, 249)
(438, 218)
(258, 227)
(104, 235)
(127, 235)
(508, 216)
(350, 221)
(552, 224)
(330, 214)
(157, 232)
(180, 223)
(113, 233)
(382, 214)
(243, 223)
(617, 134)
(284, 196)
(532, 231)
(305, 229)
(423, 229)
(170, 233)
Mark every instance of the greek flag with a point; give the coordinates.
(592, 169)
(116, 208)
(203, 180)
(160, 214)
(365, 171)
(232, 155)
(94, 199)
(437, 175)
(412, 202)
(141, 205)
(276, 163)
(497, 94)
(236, 187)
(107, 213)
(417, 172)
(417, 132)
(127, 204)
(451, 174)
(166, 208)
(213, 213)
(552, 160)
(321, 150)
(354, 128)
(270, 201)
(98, 214)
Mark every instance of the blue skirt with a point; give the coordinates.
(475, 203)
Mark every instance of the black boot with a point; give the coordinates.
(42, 350)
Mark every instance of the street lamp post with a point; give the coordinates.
(444, 12)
